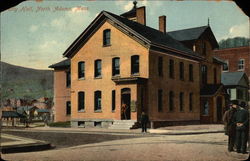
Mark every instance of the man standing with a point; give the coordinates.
(229, 125)
(241, 119)
(144, 121)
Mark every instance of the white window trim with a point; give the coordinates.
(243, 64)
(227, 66)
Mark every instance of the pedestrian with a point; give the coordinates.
(144, 121)
(230, 128)
(241, 120)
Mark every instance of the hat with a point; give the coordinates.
(243, 104)
(235, 102)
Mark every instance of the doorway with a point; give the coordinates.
(125, 104)
(219, 109)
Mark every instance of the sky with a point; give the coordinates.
(35, 34)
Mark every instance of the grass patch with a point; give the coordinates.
(60, 124)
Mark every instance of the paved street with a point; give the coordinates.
(202, 147)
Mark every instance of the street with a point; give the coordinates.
(202, 147)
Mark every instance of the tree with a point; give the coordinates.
(234, 42)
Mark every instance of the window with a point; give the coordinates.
(81, 100)
(171, 68)
(113, 100)
(204, 74)
(115, 66)
(98, 68)
(191, 76)
(135, 64)
(98, 100)
(204, 48)
(215, 76)
(171, 101)
(159, 100)
(205, 108)
(241, 64)
(106, 37)
(81, 69)
(160, 62)
(190, 101)
(68, 108)
(181, 97)
(239, 94)
(225, 66)
(181, 70)
(68, 79)
(194, 48)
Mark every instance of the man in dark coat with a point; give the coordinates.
(241, 120)
(230, 128)
(144, 121)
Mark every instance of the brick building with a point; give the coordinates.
(120, 67)
(237, 60)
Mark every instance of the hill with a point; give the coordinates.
(234, 42)
(21, 82)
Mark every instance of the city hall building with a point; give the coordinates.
(119, 67)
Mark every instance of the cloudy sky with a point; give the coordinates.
(35, 33)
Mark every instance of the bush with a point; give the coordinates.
(59, 124)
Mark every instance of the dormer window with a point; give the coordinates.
(106, 37)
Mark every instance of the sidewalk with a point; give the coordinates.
(170, 130)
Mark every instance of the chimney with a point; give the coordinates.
(162, 24)
(141, 15)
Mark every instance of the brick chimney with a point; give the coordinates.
(141, 15)
(162, 24)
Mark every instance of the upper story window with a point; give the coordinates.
(191, 75)
(181, 71)
(98, 100)
(241, 64)
(106, 37)
(171, 68)
(115, 66)
(225, 66)
(204, 74)
(135, 63)
(98, 68)
(68, 79)
(159, 100)
(194, 48)
(160, 67)
(68, 108)
(171, 101)
(81, 101)
(204, 48)
(81, 69)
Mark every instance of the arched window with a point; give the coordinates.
(98, 100)
(135, 64)
(115, 66)
(106, 37)
(98, 68)
(81, 69)
(81, 101)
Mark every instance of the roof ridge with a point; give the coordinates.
(205, 26)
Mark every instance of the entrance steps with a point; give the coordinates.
(123, 124)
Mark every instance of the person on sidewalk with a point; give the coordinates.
(230, 128)
(144, 121)
(241, 120)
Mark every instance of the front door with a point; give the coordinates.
(219, 109)
(125, 104)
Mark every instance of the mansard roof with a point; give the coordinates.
(148, 37)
